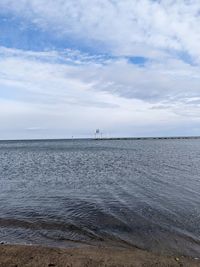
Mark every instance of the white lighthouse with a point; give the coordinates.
(97, 134)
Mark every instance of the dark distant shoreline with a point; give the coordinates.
(149, 138)
(104, 138)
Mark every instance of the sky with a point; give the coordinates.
(128, 67)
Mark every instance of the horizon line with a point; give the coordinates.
(105, 138)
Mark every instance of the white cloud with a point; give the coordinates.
(75, 97)
(72, 92)
(143, 27)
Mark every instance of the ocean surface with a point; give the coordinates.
(143, 193)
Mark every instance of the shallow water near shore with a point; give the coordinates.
(143, 193)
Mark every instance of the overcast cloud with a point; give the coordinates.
(131, 68)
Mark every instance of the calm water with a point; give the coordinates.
(143, 193)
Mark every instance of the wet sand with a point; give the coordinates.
(89, 256)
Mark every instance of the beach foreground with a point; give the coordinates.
(20, 256)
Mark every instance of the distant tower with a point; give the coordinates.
(97, 133)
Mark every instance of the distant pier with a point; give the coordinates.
(148, 138)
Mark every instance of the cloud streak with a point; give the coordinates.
(123, 27)
(137, 68)
(86, 93)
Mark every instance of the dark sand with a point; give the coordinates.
(20, 256)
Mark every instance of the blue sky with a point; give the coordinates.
(130, 68)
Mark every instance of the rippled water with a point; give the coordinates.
(143, 193)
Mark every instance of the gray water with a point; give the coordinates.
(143, 193)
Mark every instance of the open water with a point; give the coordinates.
(143, 193)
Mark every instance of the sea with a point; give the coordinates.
(123, 193)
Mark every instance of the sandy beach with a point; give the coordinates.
(35, 256)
